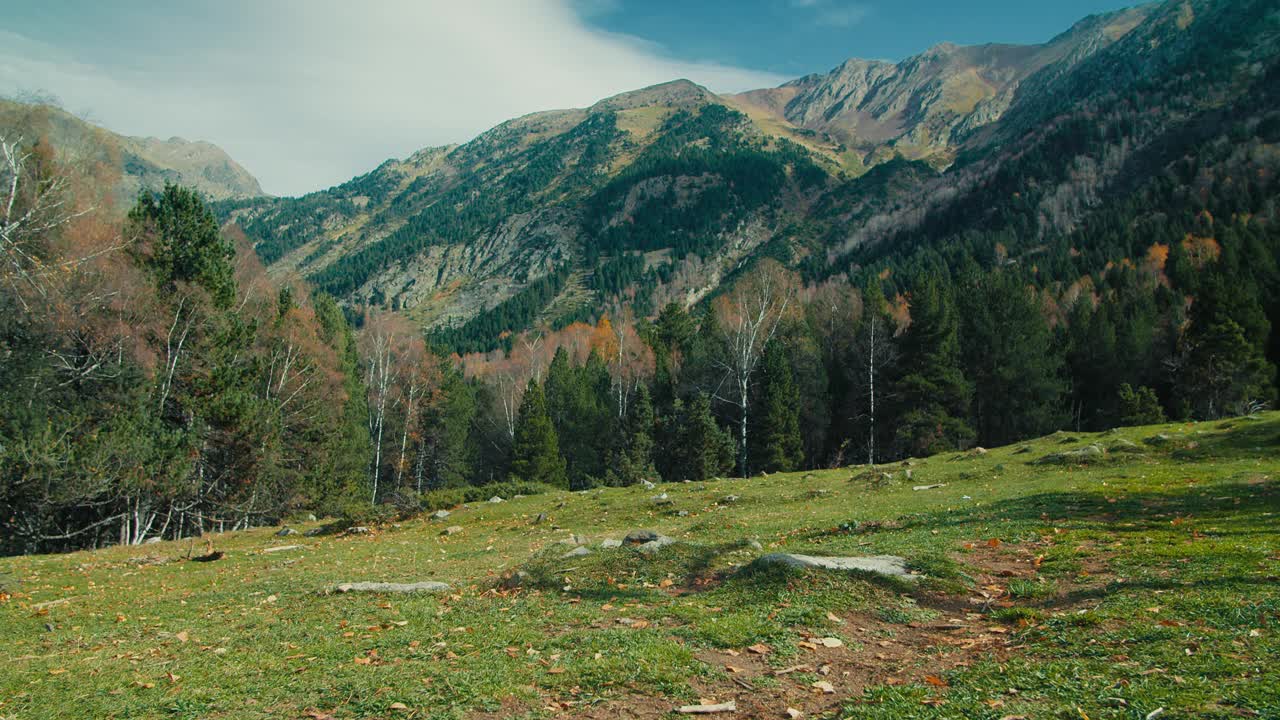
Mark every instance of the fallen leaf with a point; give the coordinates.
(182, 636)
(398, 706)
(993, 543)
(935, 681)
(760, 649)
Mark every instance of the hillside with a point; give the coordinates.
(137, 162)
(662, 194)
(1140, 582)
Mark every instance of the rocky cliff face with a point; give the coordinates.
(138, 163)
(926, 105)
(660, 194)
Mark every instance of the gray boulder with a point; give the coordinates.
(887, 565)
(386, 587)
(452, 530)
(1082, 456)
(610, 544)
(495, 499)
(580, 551)
(286, 532)
(438, 515)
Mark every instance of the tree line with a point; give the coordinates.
(158, 383)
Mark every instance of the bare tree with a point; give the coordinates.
(749, 318)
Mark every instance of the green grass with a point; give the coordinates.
(1110, 590)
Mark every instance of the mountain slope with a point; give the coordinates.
(140, 162)
(660, 194)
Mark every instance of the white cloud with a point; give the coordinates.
(309, 94)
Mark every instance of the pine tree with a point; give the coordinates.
(1009, 355)
(931, 396)
(179, 241)
(633, 459)
(777, 446)
(695, 447)
(1139, 406)
(1221, 367)
(535, 453)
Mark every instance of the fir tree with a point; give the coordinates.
(931, 396)
(633, 456)
(535, 453)
(776, 437)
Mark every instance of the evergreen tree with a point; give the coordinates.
(1221, 367)
(931, 396)
(535, 453)
(1139, 406)
(697, 448)
(633, 456)
(180, 242)
(1009, 355)
(777, 446)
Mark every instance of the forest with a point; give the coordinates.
(158, 384)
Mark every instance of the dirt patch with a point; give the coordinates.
(875, 652)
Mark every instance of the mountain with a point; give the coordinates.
(138, 162)
(662, 194)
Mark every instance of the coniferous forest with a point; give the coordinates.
(726, 304)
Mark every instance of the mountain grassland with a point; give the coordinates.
(1138, 580)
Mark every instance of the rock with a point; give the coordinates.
(286, 532)
(647, 485)
(311, 517)
(386, 587)
(495, 499)
(452, 530)
(929, 487)
(730, 500)
(438, 515)
(639, 537)
(1158, 440)
(152, 540)
(575, 540)
(888, 565)
(313, 532)
(654, 546)
(610, 544)
(1081, 456)
(729, 707)
(683, 513)
(358, 530)
(1125, 446)
(542, 517)
(281, 548)
(513, 579)
(754, 544)
(580, 551)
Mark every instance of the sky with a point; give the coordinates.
(307, 94)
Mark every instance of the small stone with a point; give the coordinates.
(542, 517)
(754, 544)
(152, 540)
(610, 544)
(730, 500)
(452, 530)
(358, 530)
(647, 485)
(313, 532)
(495, 499)
(439, 515)
(580, 551)
(683, 513)
(286, 532)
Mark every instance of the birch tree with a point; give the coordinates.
(749, 317)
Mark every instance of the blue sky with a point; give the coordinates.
(309, 93)
(796, 37)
